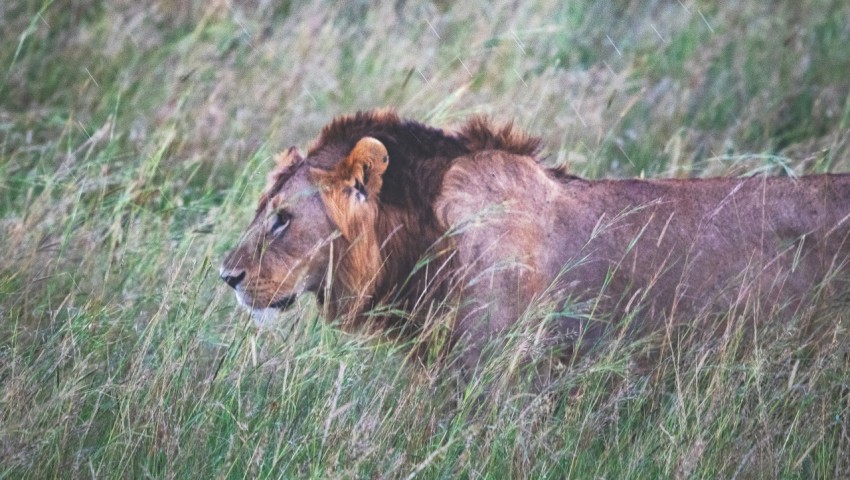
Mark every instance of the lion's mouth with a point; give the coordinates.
(283, 303)
(264, 316)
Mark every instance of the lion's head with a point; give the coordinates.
(305, 212)
(354, 221)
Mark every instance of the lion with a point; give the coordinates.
(392, 223)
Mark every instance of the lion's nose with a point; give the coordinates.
(232, 278)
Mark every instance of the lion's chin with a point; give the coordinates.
(264, 316)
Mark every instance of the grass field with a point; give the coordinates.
(135, 138)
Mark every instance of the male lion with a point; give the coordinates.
(391, 222)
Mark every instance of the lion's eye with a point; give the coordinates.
(282, 219)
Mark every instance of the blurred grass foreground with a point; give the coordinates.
(135, 137)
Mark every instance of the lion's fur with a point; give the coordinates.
(419, 155)
(501, 232)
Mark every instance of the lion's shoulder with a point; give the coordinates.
(498, 201)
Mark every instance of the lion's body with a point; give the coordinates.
(471, 222)
(664, 251)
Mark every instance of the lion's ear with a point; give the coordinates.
(283, 161)
(288, 158)
(364, 168)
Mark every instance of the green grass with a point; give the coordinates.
(133, 144)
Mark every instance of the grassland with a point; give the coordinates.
(134, 139)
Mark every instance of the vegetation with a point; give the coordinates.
(134, 140)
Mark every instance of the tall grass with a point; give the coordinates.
(134, 139)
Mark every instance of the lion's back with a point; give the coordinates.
(652, 246)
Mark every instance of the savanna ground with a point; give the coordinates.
(134, 139)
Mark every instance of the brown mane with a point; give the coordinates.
(419, 154)
(419, 157)
(479, 134)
